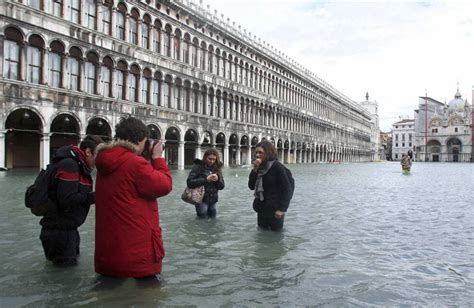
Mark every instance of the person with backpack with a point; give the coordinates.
(207, 172)
(71, 195)
(273, 187)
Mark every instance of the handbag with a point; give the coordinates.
(193, 195)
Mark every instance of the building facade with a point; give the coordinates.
(444, 131)
(403, 138)
(75, 67)
(376, 150)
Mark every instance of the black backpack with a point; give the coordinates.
(291, 179)
(37, 195)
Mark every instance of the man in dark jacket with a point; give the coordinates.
(71, 197)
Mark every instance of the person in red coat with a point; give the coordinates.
(128, 240)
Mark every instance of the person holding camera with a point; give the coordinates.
(128, 241)
(208, 173)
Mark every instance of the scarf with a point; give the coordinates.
(259, 183)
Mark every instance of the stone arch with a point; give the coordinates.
(99, 126)
(24, 128)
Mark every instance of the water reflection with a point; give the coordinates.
(355, 234)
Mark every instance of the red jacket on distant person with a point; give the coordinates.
(128, 240)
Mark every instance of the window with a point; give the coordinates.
(74, 10)
(396, 145)
(105, 75)
(144, 90)
(186, 50)
(133, 27)
(168, 42)
(73, 73)
(90, 13)
(455, 129)
(11, 66)
(132, 86)
(104, 11)
(145, 35)
(120, 85)
(157, 37)
(90, 78)
(193, 54)
(210, 61)
(34, 59)
(56, 7)
(54, 62)
(156, 93)
(120, 25)
(34, 4)
(166, 94)
(177, 47)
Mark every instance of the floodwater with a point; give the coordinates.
(355, 235)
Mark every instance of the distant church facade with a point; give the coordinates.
(443, 131)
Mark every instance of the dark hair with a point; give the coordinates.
(216, 167)
(269, 149)
(90, 142)
(131, 129)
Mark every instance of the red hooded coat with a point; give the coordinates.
(128, 240)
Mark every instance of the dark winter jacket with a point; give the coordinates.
(128, 241)
(197, 177)
(72, 190)
(276, 189)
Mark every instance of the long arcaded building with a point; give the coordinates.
(74, 67)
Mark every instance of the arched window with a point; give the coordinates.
(90, 13)
(145, 31)
(55, 63)
(168, 40)
(56, 7)
(156, 90)
(120, 22)
(106, 77)
(145, 84)
(11, 53)
(120, 80)
(105, 12)
(167, 92)
(222, 61)
(91, 67)
(74, 10)
(202, 56)
(133, 79)
(186, 46)
(210, 59)
(228, 73)
(177, 94)
(133, 27)
(34, 55)
(177, 45)
(73, 63)
(194, 53)
(157, 37)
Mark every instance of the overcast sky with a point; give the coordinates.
(395, 50)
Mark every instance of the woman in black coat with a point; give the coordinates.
(207, 172)
(273, 190)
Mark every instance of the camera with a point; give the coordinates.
(146, 151)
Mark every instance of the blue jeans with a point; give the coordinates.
(205, 210)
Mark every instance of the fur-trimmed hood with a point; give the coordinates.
(111, 155)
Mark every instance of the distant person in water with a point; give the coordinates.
(406, 162)
(208, 173)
